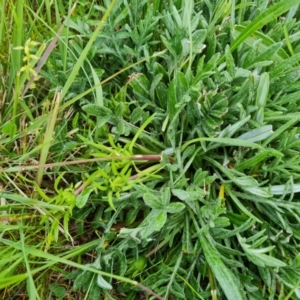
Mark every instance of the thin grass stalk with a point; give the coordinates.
(18, 39)
(85, 51)
(31, 289)
(2, 22)
(57, 259)
(151, 157)
(48, 136)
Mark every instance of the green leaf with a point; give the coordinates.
(99, 93)
(136, 115)
(286, 65)
(249, 184)
(187, 195)
(215, 143)
(166, 196)
(120, 128)
(174, 207)
(168, 45)
(266, 17)
(83, 197)
(94, 292)
(140, 85)
(9, 128)
(240, 205)
(230, 65)
(162, 94)
(153, 223)
(57, 290)
(152, 200)
(212, 110)
(262, 90)
(82, 280)
(172, 100)
(156, 80)
(97, 110)
(268, 48)
(257, 134)
(281, 129)
(253, 161)
(224, 276)
(198, 38)
(284, 189)
(103, 283)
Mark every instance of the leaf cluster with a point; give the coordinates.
(181, 119)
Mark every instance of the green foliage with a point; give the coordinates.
(157, 154)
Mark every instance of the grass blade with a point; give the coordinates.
(266, 17)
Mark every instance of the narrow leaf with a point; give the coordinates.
(224, 276)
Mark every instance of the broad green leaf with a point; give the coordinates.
(246, 183)
(168, 45)
(229, 233)
(223, 275)
(284, 189)
(152, 200)
(174, 207)
(153, 223)
(82, 280)
(136, 115)
(271, 261)
(198, 37)
(166, 196)
(83, 197)
(256, 190)
(94, 291)
(263, 260)
(103, 283)
(156, 80)
(289, 98)
(162, 94)
(57, 290)
(257, 134)
(187, 195)
(9, 128)
(222, 222)
(140, 85)
(187, 244)
(182, 87)
(97, 110)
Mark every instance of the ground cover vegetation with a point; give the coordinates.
(153, 153)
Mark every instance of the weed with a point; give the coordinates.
(149, 149)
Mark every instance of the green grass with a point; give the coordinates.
(150, 149)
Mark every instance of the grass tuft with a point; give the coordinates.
(149, 149)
